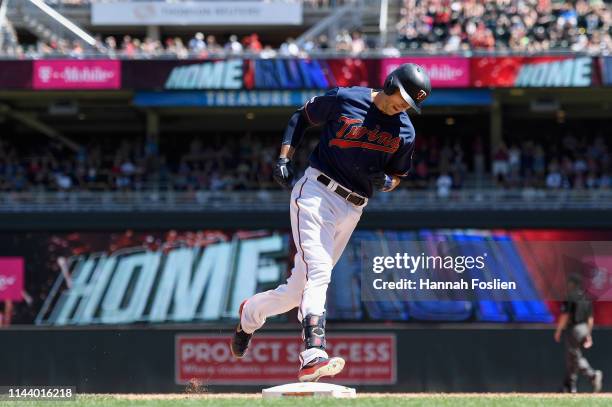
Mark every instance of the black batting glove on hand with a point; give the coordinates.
(381, 181)
(283, 172)
(378, 180)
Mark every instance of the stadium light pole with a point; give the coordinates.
(3, 8)
(65, 22)
(382, 22)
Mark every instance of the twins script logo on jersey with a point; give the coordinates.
(353, 134)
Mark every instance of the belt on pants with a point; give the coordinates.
(349, 196)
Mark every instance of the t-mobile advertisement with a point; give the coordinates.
(77, 74)
(157, 277)
(11, 278)
(444, 72)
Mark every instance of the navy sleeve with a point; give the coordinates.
(401, 161)
(296, 127)
(320, 109)
(316, 111)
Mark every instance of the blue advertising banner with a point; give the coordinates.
(286, 98)
(223, 98)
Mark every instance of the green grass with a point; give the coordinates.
(421, 400)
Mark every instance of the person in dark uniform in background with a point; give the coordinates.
(577, 318)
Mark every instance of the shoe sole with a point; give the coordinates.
(330, 368)
(239, 319)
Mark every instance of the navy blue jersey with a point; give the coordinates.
(358, 139)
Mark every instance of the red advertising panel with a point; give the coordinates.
(15, 74)
(370, 359)
(353, 71)
(77, 74)
(444, 72)
(11, 278)
(542, 72)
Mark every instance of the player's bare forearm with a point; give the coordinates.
(395, 181)
(590, 323)
(286, 151)
(562, 322)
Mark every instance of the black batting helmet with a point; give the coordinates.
(412, 82)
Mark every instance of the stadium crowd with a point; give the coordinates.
(529, 26)
(246, 163)
(198, 46)
(517, 25)
(573, 163)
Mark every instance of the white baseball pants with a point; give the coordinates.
(322, 223)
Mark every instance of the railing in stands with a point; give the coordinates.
(258, 201)
(372, 53)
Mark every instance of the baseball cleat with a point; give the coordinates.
(319, 368)
(597, 379)
(241, 339)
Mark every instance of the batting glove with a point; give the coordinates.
(381, 181)
(283, 172)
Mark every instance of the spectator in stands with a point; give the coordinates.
(128, 48)
(501, 166)
(139, 164)
(77, 50)
(233, 47)
(267, 52)
(322, 42)
(358, 44)
(111, 46)
(554, 179)
(539, 160)
(212, 45)
(605, 182)
(514, 157)
(175, 46)
(344, 41)
(429, 25)
(289, 48)
(479, 157)
(527, 25)
(197, 44)
(443, 185)
(252, 44)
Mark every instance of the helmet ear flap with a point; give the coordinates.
(390, 87)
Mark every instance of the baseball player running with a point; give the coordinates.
(366, 144)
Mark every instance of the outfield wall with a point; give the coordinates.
(410, 219)
(423, 358)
